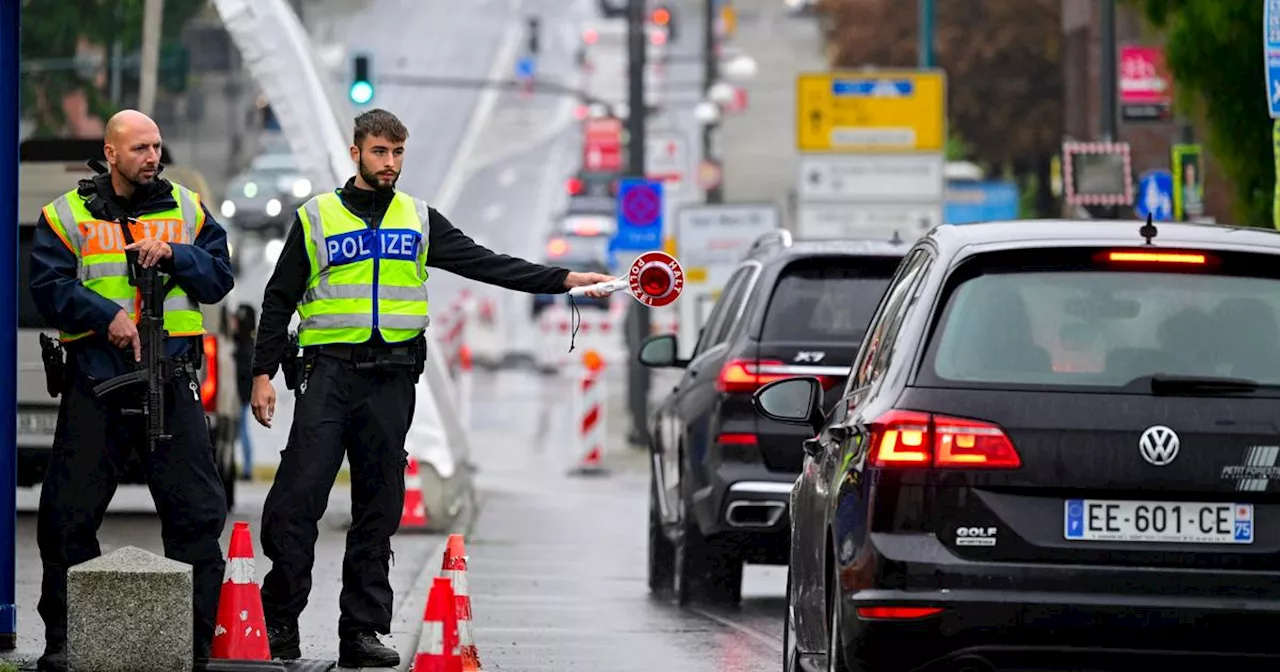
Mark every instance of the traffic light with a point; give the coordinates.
(532, 35)
(361, 91)
(663, 16)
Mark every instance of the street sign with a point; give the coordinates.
(602, 144)
(656, 279)
(866, 221)
(1271, 54)
(1188, 183)
(667, 159)
(1097, 173)
(1155, 196)
(872, 177)
(526, 67)
(1146, 87)
(884, 111)
(639, 215)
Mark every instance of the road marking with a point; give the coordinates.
(507, 177)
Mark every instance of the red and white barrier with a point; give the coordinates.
(589, 415)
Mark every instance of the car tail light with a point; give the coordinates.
(737, 439)
(914, 439)
(574, 186)
(897, 613)
(747, 375)
(590, 36)
(209, 386)
(1157, 257)
(557, 247)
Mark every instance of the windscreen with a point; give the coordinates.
(28, 316)
(827, 299)
(1109, 326)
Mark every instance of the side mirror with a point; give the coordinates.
(794, 401)
(660, 352)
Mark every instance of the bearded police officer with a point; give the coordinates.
(80, 281)
(354, 267)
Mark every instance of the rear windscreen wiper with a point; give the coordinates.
(1162, 383)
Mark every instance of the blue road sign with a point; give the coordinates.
(639, 216)
(526, 67)
(1155, 196)
(872, 87)
(1271, 54)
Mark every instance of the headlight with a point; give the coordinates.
(273, 207)
(250, 189)
(271, 252)
(228, 209)
(302, 188)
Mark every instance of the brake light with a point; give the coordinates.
(557, 247)
(914, 439)
(209, 386)
(1158, 257)
(897, 613)
(574, 186)
(747, 375)
(737, 439)
(661, 16)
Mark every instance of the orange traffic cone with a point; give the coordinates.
(414, 514)
(455, 569)
(240, 632)
(438, 642)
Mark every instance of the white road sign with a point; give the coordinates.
(882, 178)
(865, 221)
(667, 158)
(708, 235)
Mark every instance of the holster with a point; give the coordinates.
(291, 365)
(55, 365)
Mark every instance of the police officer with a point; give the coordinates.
(354, 266)
(79, 279)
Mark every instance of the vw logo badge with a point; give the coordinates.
(1159, 445)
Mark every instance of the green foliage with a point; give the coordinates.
(957, 149)
(52, 30)
(1214, 51)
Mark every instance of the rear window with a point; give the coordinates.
(28, 316)
(1076, 321)
(828, 299)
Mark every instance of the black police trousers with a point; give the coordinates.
(364, 414)
(90, 445)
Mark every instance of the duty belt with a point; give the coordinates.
(367, 357)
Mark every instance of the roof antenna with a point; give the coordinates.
(897, 239)
(1148, 230)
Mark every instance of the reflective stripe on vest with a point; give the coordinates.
(101, 264)
(363, 278)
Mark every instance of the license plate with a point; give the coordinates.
(1173, 522)
(37, 423)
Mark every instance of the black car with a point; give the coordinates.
(720, 474)
(1056, 451)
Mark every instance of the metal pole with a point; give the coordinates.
(153, 12)
(10, 22)
(710, 73)
(1107, 72)
(925, 47)
(637, 315)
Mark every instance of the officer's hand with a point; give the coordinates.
(575, 279)
(122, 333)
(263, 400)
(150, 251)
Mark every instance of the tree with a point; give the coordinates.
(1214, 52)
(1003, 64)
(55, 30)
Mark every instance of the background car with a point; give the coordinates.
(263, 198)
(720, 474)
(1056, 450)
(584, 254)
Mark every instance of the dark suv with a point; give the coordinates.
(720, 474)
(1057, 450)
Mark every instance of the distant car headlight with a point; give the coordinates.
(301, 188)
(228, 209)
(273, 207)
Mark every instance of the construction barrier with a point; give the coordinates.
(589, 415)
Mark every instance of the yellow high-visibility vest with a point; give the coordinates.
(361, 278)
(102, 266)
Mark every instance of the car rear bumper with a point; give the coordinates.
(746, 501)
(1023, 616)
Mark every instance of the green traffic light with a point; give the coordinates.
(361, 92)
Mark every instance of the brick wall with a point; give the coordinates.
(1149, 141)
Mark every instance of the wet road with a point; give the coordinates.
(557, 563)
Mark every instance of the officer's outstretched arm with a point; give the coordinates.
(59, 295)
(203, 267)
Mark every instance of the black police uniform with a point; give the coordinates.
(348, 404)
(93, 440)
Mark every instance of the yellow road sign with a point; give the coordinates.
(871, 111)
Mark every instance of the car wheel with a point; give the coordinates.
(662, 553)
(790, 652)
(704, 568)
(835, 651)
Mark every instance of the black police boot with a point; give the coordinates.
(53, 660)
(362, 649)
(285, 642)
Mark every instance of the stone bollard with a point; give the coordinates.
(129, 611)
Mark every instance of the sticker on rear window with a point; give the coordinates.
(1257, 468)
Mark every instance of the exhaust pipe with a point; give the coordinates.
(971, 663)
(754, 514)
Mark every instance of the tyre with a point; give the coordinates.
(662, 554)
(790, 652)
(835, 650)
(709, 569)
